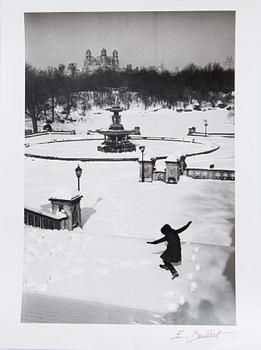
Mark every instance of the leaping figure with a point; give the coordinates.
(172, 255)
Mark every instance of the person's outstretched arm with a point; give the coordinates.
(183, 228)
(163, 239)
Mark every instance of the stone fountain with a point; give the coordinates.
(116, 138)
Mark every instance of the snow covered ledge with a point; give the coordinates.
(65, 214)
(65, 201)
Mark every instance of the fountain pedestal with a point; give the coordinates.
(116, 138)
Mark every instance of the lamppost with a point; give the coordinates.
(78, 173)
(206, 125)
(142, 149)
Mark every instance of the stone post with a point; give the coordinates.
(71, 207)
(148, 168)
(172, 170)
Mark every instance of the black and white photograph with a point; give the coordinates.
(130, 175)
(129, 168)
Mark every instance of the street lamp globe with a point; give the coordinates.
(78, 171)
(142, 148)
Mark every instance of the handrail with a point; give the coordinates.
(43, 219)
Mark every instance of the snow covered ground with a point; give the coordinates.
(108, 261)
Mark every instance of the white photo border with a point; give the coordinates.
(14, 334)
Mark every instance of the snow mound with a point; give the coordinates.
(174, 157)
(172, 307)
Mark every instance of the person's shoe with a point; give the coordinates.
(174, 275)
(163, 266)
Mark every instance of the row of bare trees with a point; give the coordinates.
(61, 86)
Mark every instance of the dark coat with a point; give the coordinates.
(173, 252)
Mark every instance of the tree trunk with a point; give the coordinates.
(68, 111)
(34, 122)
(52, 109)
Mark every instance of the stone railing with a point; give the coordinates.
(57, 132)
(214, 174)
(192, 132)
(45, 220)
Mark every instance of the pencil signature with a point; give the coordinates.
(196, 335)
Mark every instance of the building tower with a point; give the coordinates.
(103, 57)
(87, 61)
(115, 59)
(88, 54)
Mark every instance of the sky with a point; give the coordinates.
(175, 39)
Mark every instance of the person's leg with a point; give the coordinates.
(168, 266)
(172, 269)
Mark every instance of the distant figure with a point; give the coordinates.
(172, 255)
(47, 127)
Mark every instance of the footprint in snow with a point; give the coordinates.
(34, 253)
(182, 300)
(56, 276)
(193, 287)
(30, 282)
(51, 251)
(41, 288)
(193, 258)
(38, 241)
(196, 249)
(197, 267)
(190, 276)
